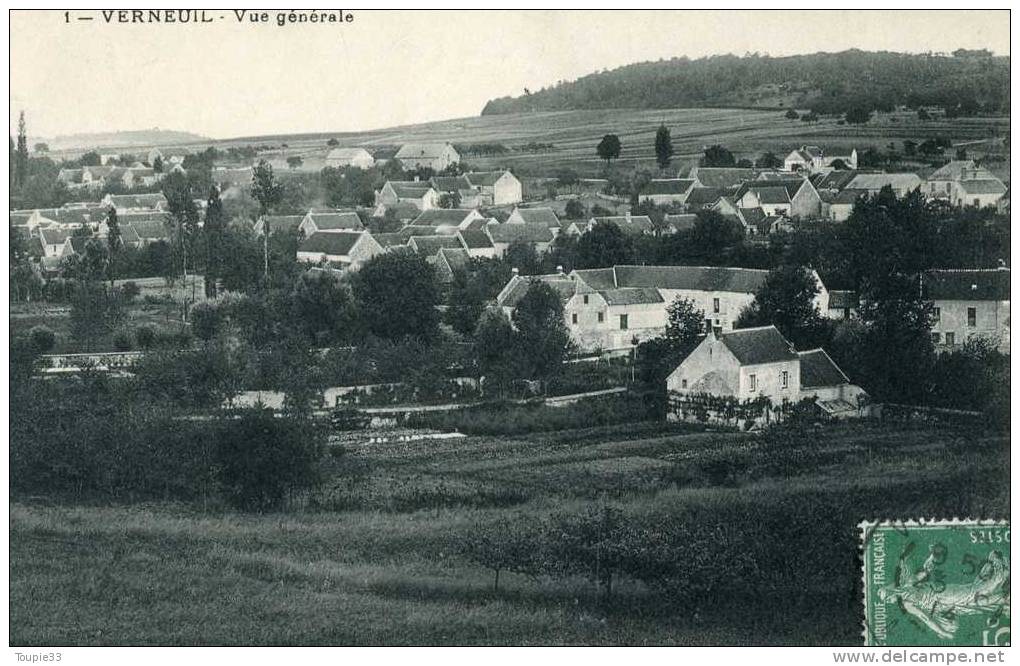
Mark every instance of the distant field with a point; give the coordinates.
(382, 567)
(747, 132)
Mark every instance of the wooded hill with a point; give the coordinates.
(964, 83)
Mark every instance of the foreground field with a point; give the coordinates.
(378, 560)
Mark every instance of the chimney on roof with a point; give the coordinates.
(515, 271)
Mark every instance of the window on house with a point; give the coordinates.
(936, 338)
(753, 379)
(784, 379)
(977, 203)
(950, 339)
(683, 383)
(972, 317)
(573, 318)
(586, 299)
(708, 325)
(623, 322)
(602, 317)
(937, 312)
(947, 187)
(715, 305)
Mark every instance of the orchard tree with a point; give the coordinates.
(609, 148)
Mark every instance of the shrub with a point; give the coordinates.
(262, 459)
(130, 290)
(145, 336)
(122, 341)
(206, 319)
(42, 339)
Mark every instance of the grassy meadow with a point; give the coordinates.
(377, 557)
(158, 305)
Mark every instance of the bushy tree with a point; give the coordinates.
(397, 296)
(609, 148)
(768, 160)
(542, 337)
(42, 338)
(605, 245)
(262, 459)
(717, 156)
(496, 349)
(786, 299)
(857, 115)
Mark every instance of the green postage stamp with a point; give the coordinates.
(936, 583)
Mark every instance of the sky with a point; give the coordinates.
(227, 79)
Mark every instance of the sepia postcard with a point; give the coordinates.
(509, 328)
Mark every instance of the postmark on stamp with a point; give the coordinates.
(936, 582)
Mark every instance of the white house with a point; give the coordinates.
(794, 197)
(53, 240)
(279, 224)
(497, 188)
(964, 183)
(342, 250)
(753, 363)
(435, 156)
(968, 303)
(450, 218)
(358, 158)
(631, 301)
(419, 194)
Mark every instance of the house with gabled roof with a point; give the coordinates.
(429, 246)
(147, 230)
(417, 193)
(135, 202)
(391, 241)
(794, 197)
(503, 235)
(359, 158)
(968, 303)
(676, 223)
(467, 195)
(721, 178)
(752, 363)
(279, 224)
(813, 158)
(457, 218)
(340, 250)
(837, 206)
(542, 215)
(449, 262)
(497, 188)
(477, 243)
(632, 225)
(704, 198)
(665, 191)
(964, 183)
(53, 241)
(901, 183)
(435, 156)
(330, 221)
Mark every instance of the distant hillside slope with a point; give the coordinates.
(966, 82)
(126, 139)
